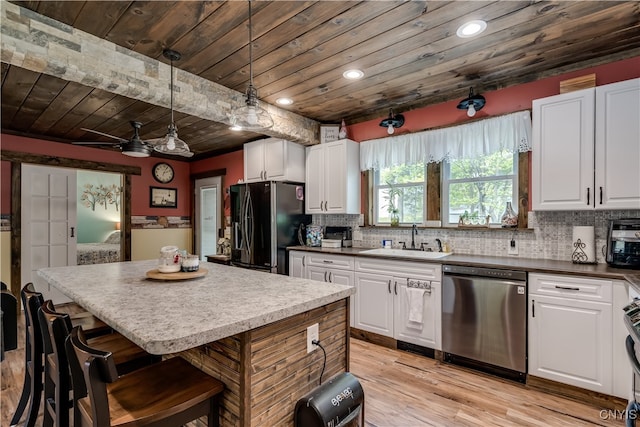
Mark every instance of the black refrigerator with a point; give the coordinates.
(266, 217)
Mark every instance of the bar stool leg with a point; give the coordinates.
(24, 397)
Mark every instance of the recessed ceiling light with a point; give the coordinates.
(471, 28)
(284, 101)
(353, 74)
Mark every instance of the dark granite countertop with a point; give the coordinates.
(510, 262)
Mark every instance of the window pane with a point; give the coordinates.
(408, 204)
(479, 199)
(402, 174)
(497, 164)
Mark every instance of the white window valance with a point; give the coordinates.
(511, 132)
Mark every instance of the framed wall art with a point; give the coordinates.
(163, 197)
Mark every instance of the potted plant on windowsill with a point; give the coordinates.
(394, 213)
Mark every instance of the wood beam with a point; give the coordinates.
(43, 45)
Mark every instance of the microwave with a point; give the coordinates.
(623, 243)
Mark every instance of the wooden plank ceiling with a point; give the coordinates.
(408, 50)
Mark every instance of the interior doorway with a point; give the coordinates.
(208, 206)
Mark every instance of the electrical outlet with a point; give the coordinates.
(512, 247)
(313, 334)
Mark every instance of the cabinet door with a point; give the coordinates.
(320, 274)
(314, 183)
(342, 277)
(570, 342)
(618, 145)
(563, 151)
(275, 159)
(254, 161)
(335, 175)
(297, 264)
(374, 303)
(427, 333)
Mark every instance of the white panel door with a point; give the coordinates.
(335, 192)
(374, 303)
(48, 224)
(275, 159)
(208, 217)
(428, 332)
(570, 342)
(563, 151)
(618, 145)
(314, 187)
(254, 161)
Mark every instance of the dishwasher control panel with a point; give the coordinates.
(485, 272)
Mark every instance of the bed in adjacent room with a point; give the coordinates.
(99, 253)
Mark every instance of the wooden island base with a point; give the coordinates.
(267, 370)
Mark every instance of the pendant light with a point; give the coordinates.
(392, 122)
(472, 104)
(170, 143)
(251, 116)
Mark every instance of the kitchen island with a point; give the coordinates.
(244, 327)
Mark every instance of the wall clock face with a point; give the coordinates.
(163, 172)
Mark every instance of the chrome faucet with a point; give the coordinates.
(439, 242)
(414, 231)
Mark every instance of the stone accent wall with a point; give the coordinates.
(549, 236)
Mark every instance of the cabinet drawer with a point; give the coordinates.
(342, 262)
(406, 268)
(575, 287)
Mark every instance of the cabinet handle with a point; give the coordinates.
(533, 308)
(600, 195)
(325, 276)
(588, 196)
(327, 261)
(303, 259)
(567, 288)
(330, 278)
(395, 288)
(72, 231)
(389, 286)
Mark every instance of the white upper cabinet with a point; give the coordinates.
(618, 145)
(273, 159)
(333, 178)
(586, 148)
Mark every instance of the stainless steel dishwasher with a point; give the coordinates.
(484, 319)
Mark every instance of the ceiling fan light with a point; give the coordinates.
(136, 149)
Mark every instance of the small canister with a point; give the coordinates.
(190, 263)
(314, 235)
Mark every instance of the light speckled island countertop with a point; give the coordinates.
(511, 262)
(166, 317)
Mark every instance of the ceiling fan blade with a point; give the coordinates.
(186, 154)
(104, 134)
(107, 144)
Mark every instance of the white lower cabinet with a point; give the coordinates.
(382, 303)
(575, 336)
(324, 268)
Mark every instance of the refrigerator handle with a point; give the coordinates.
(249, 219)
(236, 236)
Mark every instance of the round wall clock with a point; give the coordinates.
(163, 172)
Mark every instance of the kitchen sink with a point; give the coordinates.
(404, 253)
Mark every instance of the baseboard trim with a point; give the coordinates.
(578, 394)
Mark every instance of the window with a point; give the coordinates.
(399, 192)
(479, 187)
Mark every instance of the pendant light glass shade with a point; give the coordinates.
(170, 143)
(251, 116)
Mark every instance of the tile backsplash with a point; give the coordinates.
(549, 236)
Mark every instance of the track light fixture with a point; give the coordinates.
(392, 122)
(472, 104)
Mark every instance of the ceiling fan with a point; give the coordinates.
(133, 147)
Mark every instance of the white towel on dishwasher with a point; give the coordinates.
(415, 297)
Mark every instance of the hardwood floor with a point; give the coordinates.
(407, 390)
